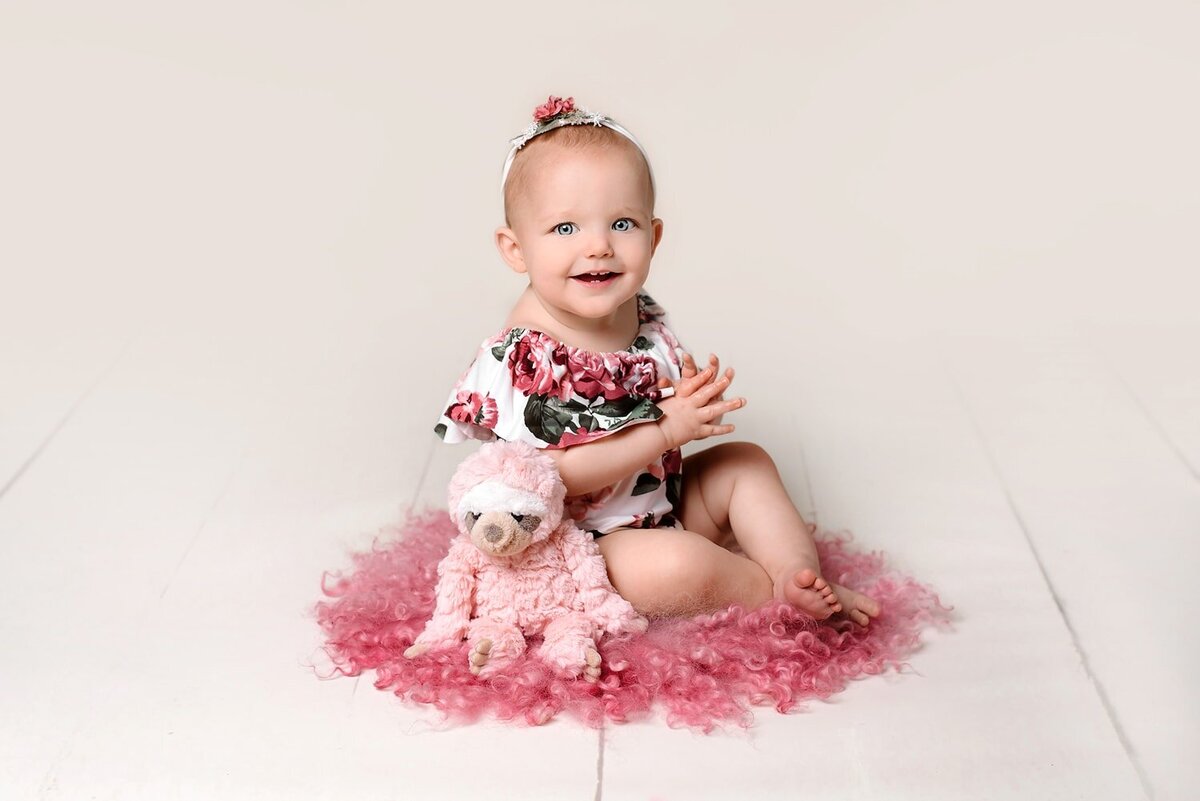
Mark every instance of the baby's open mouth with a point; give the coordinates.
(595, 278)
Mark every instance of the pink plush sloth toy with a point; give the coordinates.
(519, 567)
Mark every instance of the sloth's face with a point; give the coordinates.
(501, 533)
(502, 520)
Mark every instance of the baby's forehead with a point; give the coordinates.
(553, 156)
(549, 173)
(557, 169)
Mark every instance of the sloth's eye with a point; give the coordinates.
(471, 518)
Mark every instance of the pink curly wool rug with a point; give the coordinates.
(703, 671)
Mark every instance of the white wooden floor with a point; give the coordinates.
(245, 250)
(172, 494)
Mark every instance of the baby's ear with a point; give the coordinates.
(657, 225)
(510, 249)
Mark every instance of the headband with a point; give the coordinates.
(555, 113)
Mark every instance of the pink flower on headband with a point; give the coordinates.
(553, 107)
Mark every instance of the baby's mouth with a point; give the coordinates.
(595, 277)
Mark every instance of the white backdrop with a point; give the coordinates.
(878, 167)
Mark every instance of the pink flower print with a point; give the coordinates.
(471, 407)
(668, 338)
(553, 107)
(531, 365)
(592, 375)
(656, 470)
(579, 437)
(640, 378)
(578, 507)
(673, 462)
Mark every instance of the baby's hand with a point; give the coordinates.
(689, 369)
(690, 413)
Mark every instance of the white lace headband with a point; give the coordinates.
(555, 113)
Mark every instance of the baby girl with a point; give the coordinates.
(587, 368)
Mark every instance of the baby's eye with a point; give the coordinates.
(624, 224)
(564, 228)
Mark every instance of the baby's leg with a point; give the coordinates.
(736, 486)
(666, 571)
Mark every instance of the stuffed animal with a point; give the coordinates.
(521, 568)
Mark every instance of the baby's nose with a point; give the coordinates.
(599, 245)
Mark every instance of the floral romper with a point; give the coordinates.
(525, 385)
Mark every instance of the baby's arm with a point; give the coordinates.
(595, 465)
(686, 417)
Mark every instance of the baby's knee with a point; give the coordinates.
(740, 455)
(678, 575)
(693, 568)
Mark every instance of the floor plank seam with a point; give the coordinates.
(45, 443)
(203, 524)
(1097, 685)
(1150, 418)
(599, 795)
(424, 475)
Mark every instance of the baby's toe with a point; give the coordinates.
(804, 579)
(858, 607)
(801, 592)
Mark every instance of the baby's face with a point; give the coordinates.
(584, 212)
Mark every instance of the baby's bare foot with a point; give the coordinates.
(808, 592)
(856, 606)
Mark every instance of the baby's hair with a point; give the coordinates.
(573, 137)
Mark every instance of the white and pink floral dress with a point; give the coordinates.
(525, 385)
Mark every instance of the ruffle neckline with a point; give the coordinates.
(638, 347)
